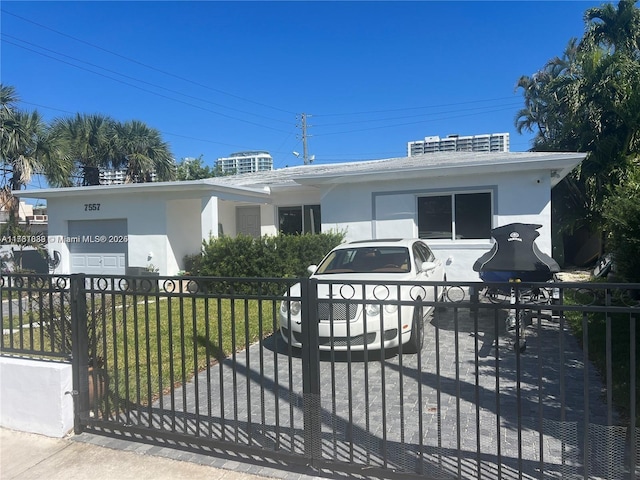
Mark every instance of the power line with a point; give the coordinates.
(47, 107)
(305, 134)
(129, 77)
(412, 123)
(151, 67)
(420, 115)
(188, 137)
(413, 108)
(253, 123)
(164, 72)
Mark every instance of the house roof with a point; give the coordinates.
(259, 184)
(427, 165)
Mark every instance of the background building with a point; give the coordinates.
(110, 176)
(493, 142)
(245, 162)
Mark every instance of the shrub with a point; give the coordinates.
(192, 263)
(55, 315)
(622, 215)
(281, 256)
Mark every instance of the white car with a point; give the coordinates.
(365, 311)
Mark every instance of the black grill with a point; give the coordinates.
(346, 341)
(337, 312)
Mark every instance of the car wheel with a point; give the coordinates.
(416, 341)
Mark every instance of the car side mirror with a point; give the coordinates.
(312, 269)
(428, 266)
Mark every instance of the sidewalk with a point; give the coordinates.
(26, 456)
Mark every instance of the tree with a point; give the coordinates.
(96, 141)
(615, 28)
(193, 169)
(589, 101)
(544, 112)
(86, 141)
(26, 149)
(622, 216)
(141, 151)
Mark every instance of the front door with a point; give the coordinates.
(248, 221)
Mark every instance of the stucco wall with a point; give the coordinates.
(227, 216)
(34, 396)
(389, 210)
(348, 208)
(147, 226)
(183, 232)
(165, 226)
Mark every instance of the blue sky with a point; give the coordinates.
(222, 77)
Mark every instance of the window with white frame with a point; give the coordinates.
(299, 220)
(455, 216)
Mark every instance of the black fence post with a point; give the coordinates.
(311, 369)
(79, 351)
(474, 296)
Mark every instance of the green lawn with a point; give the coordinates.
(138, 341)
(157, 350)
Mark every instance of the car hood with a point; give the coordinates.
(378, 287)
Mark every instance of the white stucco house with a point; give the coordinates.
(450, 199)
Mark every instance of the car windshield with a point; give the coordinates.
(366, 260)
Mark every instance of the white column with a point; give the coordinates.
(209, 217)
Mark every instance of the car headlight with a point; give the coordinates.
(391, 308)
(374, 309)
(291, 307)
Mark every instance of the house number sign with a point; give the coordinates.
(91, 207)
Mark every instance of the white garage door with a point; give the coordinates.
(98, 247)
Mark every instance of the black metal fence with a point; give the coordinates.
(510, 380)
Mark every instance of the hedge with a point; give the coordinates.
(281, 256)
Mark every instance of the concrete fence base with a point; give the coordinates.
(35, 396)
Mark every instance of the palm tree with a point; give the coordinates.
(26, 149)
(86, 141)
(141, 150)
(547, 96)
(8, 100)
(94, 142)
(589, 101)
(616, 29)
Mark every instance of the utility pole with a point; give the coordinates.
(305, 152)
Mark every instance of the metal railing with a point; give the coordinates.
(509, 381)
(36, 316)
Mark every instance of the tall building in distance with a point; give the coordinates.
(492, 142)
(245, 162)
(110, 176)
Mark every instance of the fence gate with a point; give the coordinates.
(190, 362)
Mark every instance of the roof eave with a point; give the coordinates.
(561, 165)
(199, 186)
